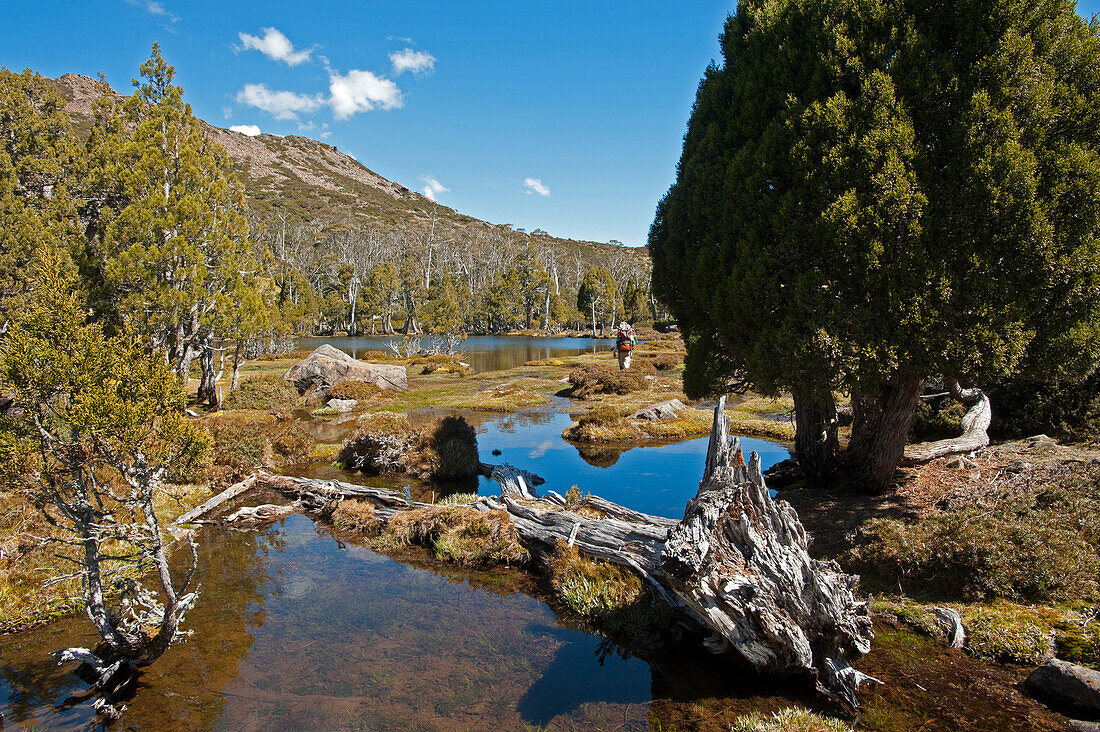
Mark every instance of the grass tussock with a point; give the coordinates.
(458, 499)
(357, 517)
(609, 597)
(1037, 544)
(793, 719)
(264, 392)
(458, 534)
(590, 380)
(442, 364)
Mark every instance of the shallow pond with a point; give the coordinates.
(295, 629)
(483, 353)
(650, 477)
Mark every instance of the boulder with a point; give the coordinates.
(327, 366)
(341, 405)
(658, 412)
(1066, 684)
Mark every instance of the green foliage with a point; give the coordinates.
(938, 420)
(264, 392)
(874, 191)
(38, 164)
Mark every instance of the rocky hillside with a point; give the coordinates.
(315, 182)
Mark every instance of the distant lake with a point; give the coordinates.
(483, 353)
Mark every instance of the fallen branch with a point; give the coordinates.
(975, 426)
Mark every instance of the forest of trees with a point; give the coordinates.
(148, 212)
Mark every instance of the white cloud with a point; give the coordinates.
(227, 112)
(432, 187)
(155, 8)
(275, 46)
(250, 130)
(534, 185)
(279, 104)
(418, 62)
(361, 91)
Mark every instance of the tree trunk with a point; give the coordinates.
(975, 424)
(236, 367)
(880, 427)
(815, 440)
(208, 385)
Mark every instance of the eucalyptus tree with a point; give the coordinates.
(874, 192)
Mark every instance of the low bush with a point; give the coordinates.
(1037, 546)
(267, 392)
(667, 361)
(937, 420)
(589, 380)
(449, 447)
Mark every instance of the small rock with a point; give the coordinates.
(1064, 683)
(341, 405)
(961, 463)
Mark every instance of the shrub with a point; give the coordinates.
(453, 444)
(937, 420)
(238, 442)
(265, 392)
(589, 380)
(289, 441)
(1040, 546)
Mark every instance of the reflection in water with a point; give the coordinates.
(483, 353)
(653, 478)
(294, 629)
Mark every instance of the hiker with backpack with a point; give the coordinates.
(625, 341)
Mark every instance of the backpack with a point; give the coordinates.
(622, 343)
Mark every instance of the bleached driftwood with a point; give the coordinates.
(736, 566)
(975, 424)
(231, 492)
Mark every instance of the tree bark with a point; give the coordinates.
(815, 441)
(880, 427)
(208, 385)
(975, 424)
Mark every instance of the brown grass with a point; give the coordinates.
(357, 517)
(458, 534)
(266, 392)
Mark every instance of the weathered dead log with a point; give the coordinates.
(739, 560)
(231, 492)
(512, 480)
(975, 424)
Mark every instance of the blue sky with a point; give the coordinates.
(562, 115)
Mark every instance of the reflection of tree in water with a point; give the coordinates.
(600, 456)
(232, 575)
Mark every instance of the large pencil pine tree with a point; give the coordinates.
(875, 191)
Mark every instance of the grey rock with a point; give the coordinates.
(341, 405)
(327, 366)
(1066, 684)
(658, 412)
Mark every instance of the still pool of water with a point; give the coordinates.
(295, 629)
(483, 353)
(655, 479)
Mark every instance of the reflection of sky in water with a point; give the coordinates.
(656, 479)
(483, 353)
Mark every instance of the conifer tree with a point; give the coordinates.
(172, 240)
(874, 192)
